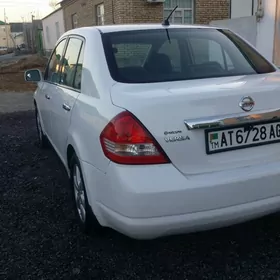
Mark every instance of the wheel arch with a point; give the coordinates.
(70, 152)
(72, 148)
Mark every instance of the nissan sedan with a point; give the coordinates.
(162, 129)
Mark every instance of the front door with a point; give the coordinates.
(66, 94)
(44, 104)
(49, 87)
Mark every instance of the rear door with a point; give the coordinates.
(67, 92)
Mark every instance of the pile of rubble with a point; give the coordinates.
(12, 73)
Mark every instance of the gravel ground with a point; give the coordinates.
(39, 238)
(15, 101)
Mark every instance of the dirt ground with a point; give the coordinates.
(12, 74)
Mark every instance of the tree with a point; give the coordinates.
(53, 3)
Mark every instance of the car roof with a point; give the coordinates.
(132, 27)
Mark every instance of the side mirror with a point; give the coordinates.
(33, 75)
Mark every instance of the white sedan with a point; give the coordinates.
(162, 129)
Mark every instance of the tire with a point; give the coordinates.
(42, 138)
(87, 220)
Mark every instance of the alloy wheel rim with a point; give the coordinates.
(79, 193)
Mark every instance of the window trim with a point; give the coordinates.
(82, 45)
(192, 9)
(73, 22)
(182, 10)
(64, 51)
(100, 16)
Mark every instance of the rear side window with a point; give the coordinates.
(78, 75)
(179, 54)
(70, 65)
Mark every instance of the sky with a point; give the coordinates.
(21, 10)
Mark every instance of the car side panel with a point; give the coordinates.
(89, 117)
(42, 104)
(93, 108)
(61, 119)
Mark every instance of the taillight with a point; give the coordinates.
(126, 141)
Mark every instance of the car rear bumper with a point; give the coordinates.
(149, 228)
(151, 201)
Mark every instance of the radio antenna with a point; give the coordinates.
(166, 21)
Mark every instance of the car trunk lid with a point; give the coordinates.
(170, 110)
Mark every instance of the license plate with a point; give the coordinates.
(222, 140)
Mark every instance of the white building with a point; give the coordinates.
(243, 8)
(258, 21)
(53, 28)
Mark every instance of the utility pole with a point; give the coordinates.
(6, 29)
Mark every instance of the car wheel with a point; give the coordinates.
(87, 220)
(42, 138)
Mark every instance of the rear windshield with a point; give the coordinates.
(179, 54)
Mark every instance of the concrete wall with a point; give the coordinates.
(50, 35)
(246, 27)
(243, 8)
(259, 33)
(5, 30)
(27, 33)
(265, 29)
(276, 47)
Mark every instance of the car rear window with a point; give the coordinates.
(160, 55)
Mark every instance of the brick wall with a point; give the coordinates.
(124, 11)
(108, 10)
(85, 9)
(206, 10)
(137, 11)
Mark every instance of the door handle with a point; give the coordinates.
(47, 96)
(66, 107)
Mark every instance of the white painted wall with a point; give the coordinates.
(50, 31)
(243, 8)
(265, 29)
(259, 34)
(246, 27)
(5, 38)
